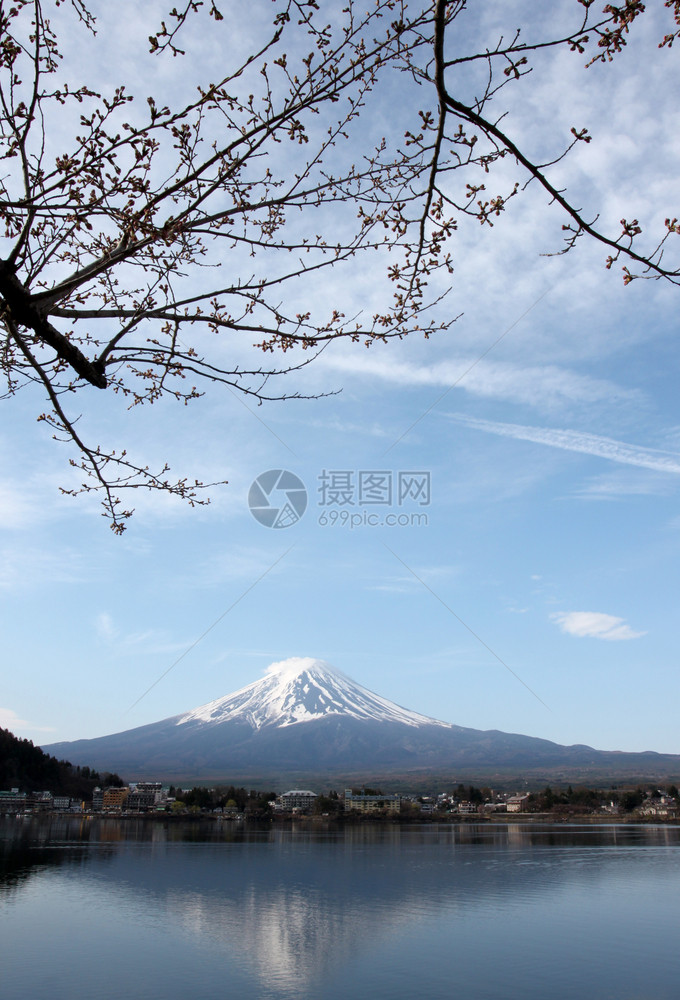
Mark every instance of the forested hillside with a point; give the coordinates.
(28, 768)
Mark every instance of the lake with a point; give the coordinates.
(108, 909)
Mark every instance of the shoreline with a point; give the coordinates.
(357, 819)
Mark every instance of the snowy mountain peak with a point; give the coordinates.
(302, 689)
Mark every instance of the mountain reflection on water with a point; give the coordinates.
(287, 908)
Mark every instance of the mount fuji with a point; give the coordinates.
(304, 720)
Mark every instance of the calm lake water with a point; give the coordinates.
(103, 909)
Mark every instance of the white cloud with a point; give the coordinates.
(624, 483)
(345, 427)
(420, 576)
(151, 641)
(30, 499)
(17, 510)
(543, 386)
(580, 441)
(293, 665)
(154, 642)
(595, 625)
(401, 585)
(105, 627)
(23, 567)
(10, 720)
(233, 563)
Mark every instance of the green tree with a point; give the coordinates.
(199, 798)
(631, 800)
(28, 767)
(327, 804)
(258, 803)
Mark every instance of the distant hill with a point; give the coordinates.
(305, 722)
(27, 767)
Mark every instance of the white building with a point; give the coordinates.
(297, 799)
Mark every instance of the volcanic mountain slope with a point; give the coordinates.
(305, 718)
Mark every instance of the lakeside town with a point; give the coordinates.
(153, 798)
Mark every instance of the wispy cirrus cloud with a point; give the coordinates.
(150, 641)
(623, 483)
(105, 627)
(594, 625)
(547, 386)
(405, 584)
(579, 441)
(346, 427)
(23, 567)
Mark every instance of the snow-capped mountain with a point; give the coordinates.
(302, 689)
(307, 722)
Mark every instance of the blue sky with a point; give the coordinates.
(537, 590)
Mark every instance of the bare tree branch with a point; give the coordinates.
(131, 231)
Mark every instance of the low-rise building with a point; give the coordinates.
(663, 807)
(13, 801)
(517, 803)
(372, 803)
(114, 798)
(144, 796)
(42, 801)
